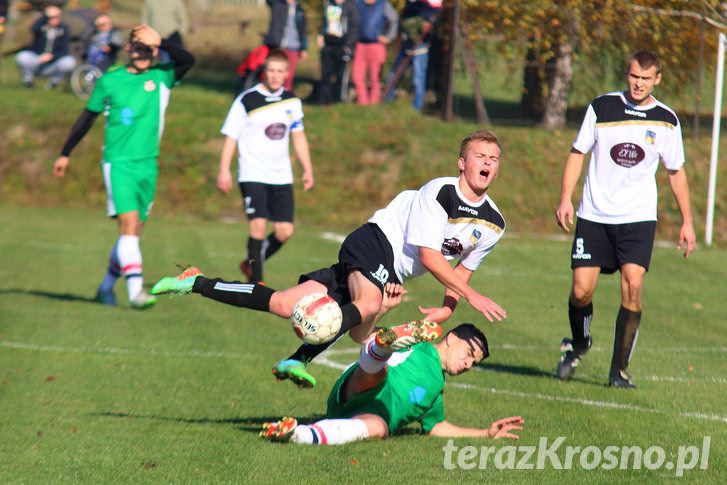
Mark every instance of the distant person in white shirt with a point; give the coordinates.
(628, 133)
(420, 231)
(260, 125)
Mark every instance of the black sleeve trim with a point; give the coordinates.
(79, 130)
(182, 58)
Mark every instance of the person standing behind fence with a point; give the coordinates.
(48, 55)
(377, 28)
(287, 32)
(336, 39)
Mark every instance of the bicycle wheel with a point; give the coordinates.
(83, 79)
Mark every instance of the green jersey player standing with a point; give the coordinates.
(133, 99)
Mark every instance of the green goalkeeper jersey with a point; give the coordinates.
(134, 105)
(411, 392)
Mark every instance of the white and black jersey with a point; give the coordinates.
(261, 123)
(627, 142)
(439, 217)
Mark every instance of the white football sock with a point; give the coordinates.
(129, 254)
(113, 271)
(373, 358)
(331, 432)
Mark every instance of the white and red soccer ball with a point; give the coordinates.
(316, 318)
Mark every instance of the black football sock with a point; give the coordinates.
(627, 331)
(271, 245)
(580, 325)
(246, 295)
(255, 258)
(308, 352)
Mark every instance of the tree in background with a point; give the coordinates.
(555, 35)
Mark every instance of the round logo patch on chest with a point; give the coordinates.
(627, 154)
(276, 131)
(149, 86)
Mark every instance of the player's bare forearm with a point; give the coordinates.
(449, 430)
(443, 272)
(571, 173)
(302, 153)
(680, 189)
(224, 176)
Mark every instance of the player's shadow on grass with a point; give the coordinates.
(49, 294)
(247, 424)
(532, 372)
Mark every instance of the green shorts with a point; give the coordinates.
(373, 401)
(130, 186)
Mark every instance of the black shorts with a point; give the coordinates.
(610, 246)
(367, 250)
(267, 201)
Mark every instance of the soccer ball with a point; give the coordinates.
(316, 318)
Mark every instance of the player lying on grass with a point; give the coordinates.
(389, 388)
(420, 231)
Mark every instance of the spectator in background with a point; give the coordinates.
(169, 18)
(377, 28)
(336, 39)
(287, 32)
(48, 56)
(104, 41)
(418, 19)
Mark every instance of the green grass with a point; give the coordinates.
(96, 394)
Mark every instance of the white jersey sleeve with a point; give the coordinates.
(427, 221)
(587, 134)
(672, 154)
(235, 121)
(297, 117)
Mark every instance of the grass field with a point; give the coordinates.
(97, 394)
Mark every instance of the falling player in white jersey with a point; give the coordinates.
(420, 231)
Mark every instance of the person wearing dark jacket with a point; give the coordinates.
(48, 55)
(336, 39)
(287, 33)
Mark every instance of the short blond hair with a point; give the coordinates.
(486, 136)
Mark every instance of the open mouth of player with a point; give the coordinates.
(485, 173)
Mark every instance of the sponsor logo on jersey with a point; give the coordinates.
(149, 86)
(627, 154)
(650, 137)
(451, 247)
(416, 395)
(633, 112)
(272, 99)
(475, 236)
(289, 114)
(470, 210)
(276, 131)
(381, 275)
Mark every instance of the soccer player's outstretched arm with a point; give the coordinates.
(571, 173)
(680, 189)
(302, 153)
(78, 131)
(501, 428)
(449, 303)
(435, 262)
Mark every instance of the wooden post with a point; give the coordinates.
(470, 63)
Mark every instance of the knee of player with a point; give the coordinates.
(375, 426)
(368, 308)
(283, 235)
(581, 295)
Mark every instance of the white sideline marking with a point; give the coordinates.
(113, 350)
(332, 236)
